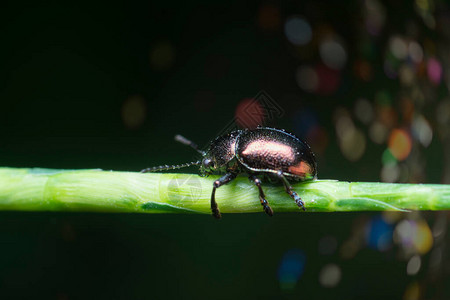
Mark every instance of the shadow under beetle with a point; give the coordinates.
(269, 152)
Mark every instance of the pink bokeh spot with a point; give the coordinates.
(434, 71)
(329, 80)
(250, 113)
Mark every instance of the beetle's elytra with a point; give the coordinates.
(269, 152)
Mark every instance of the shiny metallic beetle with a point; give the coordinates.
(272, 153)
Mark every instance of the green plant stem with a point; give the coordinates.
(106, 191)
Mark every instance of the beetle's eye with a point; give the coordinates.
(207, 163)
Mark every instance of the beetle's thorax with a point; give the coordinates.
(221, 153)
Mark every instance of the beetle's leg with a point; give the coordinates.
(288, 188)
(219, 182)
(262, 197)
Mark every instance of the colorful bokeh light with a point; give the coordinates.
(297, 31)
(250, 113)
(291, 268)
(134, 111)
(400, 144)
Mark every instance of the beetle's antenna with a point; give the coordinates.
(185, 141)
(173, 167)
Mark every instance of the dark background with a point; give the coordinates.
(108, 85)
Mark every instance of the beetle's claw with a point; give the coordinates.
(268, 210)
(216, 214)
(300, 203)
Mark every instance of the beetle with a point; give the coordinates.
(267, 152)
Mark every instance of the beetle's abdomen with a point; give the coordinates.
(272, 150)
(267, 154)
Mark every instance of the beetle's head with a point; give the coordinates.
(207, 166)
